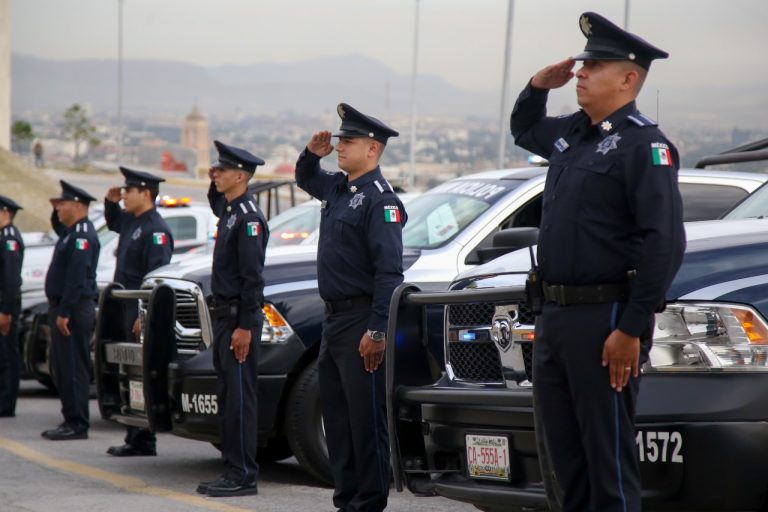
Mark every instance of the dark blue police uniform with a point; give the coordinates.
(359, 264)
(611, 239)
(70, 286)
(11, 258)
(145, 243)
(238, 296)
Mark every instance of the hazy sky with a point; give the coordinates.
(710, 41)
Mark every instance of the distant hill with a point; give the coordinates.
(31, 188)
(311, 86)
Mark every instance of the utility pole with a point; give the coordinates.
(5, 74)
(414, 73)
(504, 114)
(119, 81)
(626, 15)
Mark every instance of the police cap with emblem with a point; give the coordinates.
(606, 41)
(231, 157)
(70, 192)
(141, 179)
(357, 124)
(6, 203)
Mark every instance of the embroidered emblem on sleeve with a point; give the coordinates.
(12, 245)
(660, 154)
(391, 214)
(254, 229)
(81, 244)
(159, 238)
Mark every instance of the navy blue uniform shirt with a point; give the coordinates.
(145, 243)
(611, 201)
(360, 252)
(72, 273)
(238, 256)
(11, 258)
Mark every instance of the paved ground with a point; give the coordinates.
(37, 475)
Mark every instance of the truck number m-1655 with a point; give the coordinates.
(199, 403)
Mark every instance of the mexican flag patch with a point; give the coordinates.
(661, 154)
(391, 214)
(12, 245)
(159, 238)
(81, 244)
(254, 229)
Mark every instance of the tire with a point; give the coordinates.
(304, 426)
(277, 449)
(551, 486)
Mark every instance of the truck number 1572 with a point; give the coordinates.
(659, 446)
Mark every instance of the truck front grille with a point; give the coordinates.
(475, 361)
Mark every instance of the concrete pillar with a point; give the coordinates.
(5, 74)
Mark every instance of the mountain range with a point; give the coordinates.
(316, 85)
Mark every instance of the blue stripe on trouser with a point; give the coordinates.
(376, 429)
(242, 433)
(616, 419)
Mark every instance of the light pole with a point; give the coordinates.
(119, 80)
(414, 73)
(504, 115)
(626, 15)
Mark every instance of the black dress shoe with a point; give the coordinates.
(129, 450)
(65, 433)
(224, 488)
(202, 487)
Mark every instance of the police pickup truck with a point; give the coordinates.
(168, 383)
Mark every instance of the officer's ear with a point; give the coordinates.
(375, 149)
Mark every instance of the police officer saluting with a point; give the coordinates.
(145, 244)
(611, 241)
(70, 286)
(238, 296)
(11, 258)
(359, 264)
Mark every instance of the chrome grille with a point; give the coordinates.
(527, 347)
(188, 325)
(475, 361)
(186, 310)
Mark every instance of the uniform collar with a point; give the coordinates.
(147, 214)
(359, 183)
(610, 123)
(234, 205)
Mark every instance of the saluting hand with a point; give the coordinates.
(62, 324)
(240, 344)
(621, 354)
(113, 194)
(372, 352)
(5, 324)
(320, 144)
(554, 76)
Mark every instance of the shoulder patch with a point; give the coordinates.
(81, 244)
(254, 228)
(660, 154)
(392, 213)
(159, 238)
(12, 245)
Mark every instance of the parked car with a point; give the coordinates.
(168, 383)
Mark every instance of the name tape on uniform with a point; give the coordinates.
(391, 214)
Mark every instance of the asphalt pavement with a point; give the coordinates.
(38, 475)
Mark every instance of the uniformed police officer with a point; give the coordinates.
(70, 286)
(145, 244)
(359, 264)
(611, 241)
(238, 296)
(11, 258)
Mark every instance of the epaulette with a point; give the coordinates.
(81, 227)
(250, 208)
(641, 119)
(384, 189)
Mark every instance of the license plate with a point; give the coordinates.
(136, 388)
(488, 457)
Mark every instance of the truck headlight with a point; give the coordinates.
(276, 328)
(706, 336)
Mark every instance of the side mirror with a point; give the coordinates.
(516, 238)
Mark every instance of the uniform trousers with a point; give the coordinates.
(9, 367)
(70, 356)
(236, 393)
(354, 415)
(589, 427)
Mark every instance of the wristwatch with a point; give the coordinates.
(376, 335)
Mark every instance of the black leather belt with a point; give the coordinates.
(221, 308)
(53, 302)
(565, 295)
(342, 306)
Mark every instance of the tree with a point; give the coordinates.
(78, 128)
(21, 136)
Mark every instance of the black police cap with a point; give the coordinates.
(606, 41)
(357, 124)
(70, 192)
(141, 179)
(231, 157)
(6, 203)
